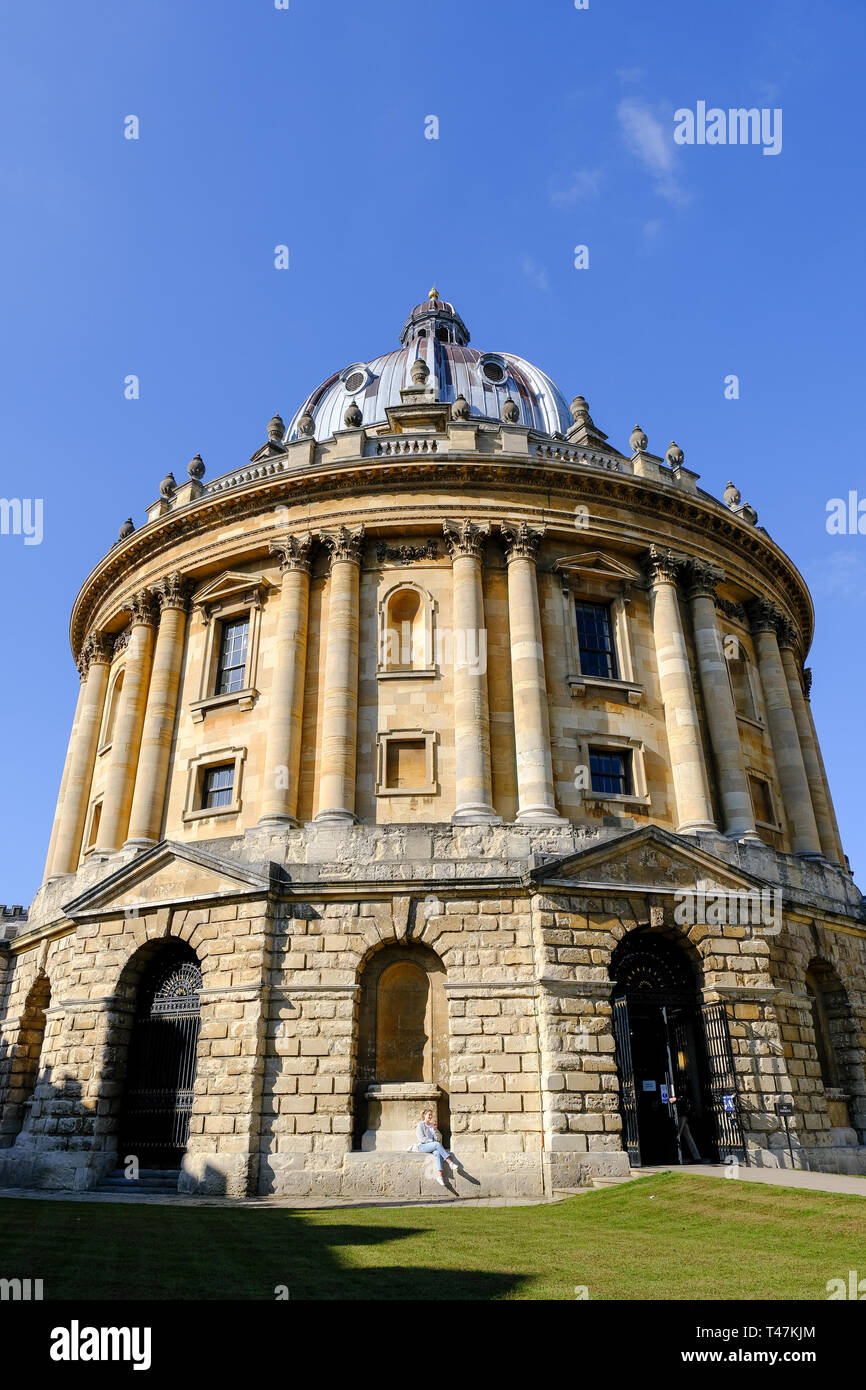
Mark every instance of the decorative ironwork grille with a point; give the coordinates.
(721, 1089)
(628, 1091)
(161, 1065)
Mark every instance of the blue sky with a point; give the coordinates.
(305, 127)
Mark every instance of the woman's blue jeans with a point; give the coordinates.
(437, 1149)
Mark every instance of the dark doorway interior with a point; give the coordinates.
(161, 1064)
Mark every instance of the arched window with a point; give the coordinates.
(742, 685)
(111, 711)
(406, 631)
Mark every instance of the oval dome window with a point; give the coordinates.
(354, 382)
(493, 372)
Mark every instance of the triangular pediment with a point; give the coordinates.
(646, 860)
(599, 565)
(172, 874)
(231, 585)
(267, 451)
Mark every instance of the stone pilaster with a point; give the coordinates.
(688, 769)
(285, 718)
(128, 726)
(731, 779)
(824, 818)
(788, 754)
(465, 540)
(151, 778)
(336, 802)
(93, 664)
(535, 789)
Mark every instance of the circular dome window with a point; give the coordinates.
(493, 372)
(354, 382)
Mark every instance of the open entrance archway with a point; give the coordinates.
(678, 1091)
(161, 1060)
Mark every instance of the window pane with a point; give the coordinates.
(594, 640)
(218, 786)
(231, 670)
(609, 771)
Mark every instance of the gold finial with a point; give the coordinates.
(434, 293)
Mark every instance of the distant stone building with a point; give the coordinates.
(441, 755)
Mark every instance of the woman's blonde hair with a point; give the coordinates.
(428, 1110)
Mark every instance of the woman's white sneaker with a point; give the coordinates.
(440, 1179)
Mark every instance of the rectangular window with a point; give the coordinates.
(406, 763)
(610, 771)
(232, 663)
(762, 802)
(595, 640)
(218, 786)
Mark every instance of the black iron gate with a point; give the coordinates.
(627, 1089)
(161, 1065)
(721, 1087)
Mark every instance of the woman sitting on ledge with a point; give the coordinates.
(430, 1142)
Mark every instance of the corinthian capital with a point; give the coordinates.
(465, 537)
(521, 541)
(172, 592)
(344, 544)
(141, 609)
(96, 647)
(662, 566)
(764, 616)
(787, 633)
(293, 551)
(701, 579)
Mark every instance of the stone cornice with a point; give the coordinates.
(761, 563)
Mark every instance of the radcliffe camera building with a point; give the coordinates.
(443, 754)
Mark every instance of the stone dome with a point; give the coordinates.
(435, 333)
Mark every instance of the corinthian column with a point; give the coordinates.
(465, 541)
(824, 818)
(148, 802)
(839, 856)
(126, 739)
(93, 663)
(796, 796)
(279, 803)
(733, 786)
(340, 704)
(535, 791)
(691, 788)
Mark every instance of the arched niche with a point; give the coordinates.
(836, 1044)
(26, 1060)
(406, 630)
(403, 1061)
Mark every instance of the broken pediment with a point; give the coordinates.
(170, 874)
(644, 860)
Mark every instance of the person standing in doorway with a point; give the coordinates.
(430, 1142)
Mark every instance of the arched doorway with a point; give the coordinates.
(678, 1092)
(402, 1046)
(161, 1061)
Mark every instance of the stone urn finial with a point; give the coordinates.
(195, 468)
(510, 411)
(353, 417)
(306, 425)
(732, 495)
(126, 529)
(168, 487)
(637, 440)
(419, 371)
(674, 456)
(460, 409)
(276, 429)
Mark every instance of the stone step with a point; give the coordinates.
(148, 1180)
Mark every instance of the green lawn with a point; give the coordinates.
(665, 1237)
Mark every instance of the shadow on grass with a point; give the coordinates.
(102, 1251)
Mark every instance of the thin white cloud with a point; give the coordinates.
(652, 143)
(652, 229)
(842, 574)
(585, 183)
(535, 274)
(630, 74)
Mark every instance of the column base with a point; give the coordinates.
(335, 817)
(748, 836)
(809, 854)
(695, 827)
(475, 813)
(278, 819)
(539, 815)
(140, 842)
